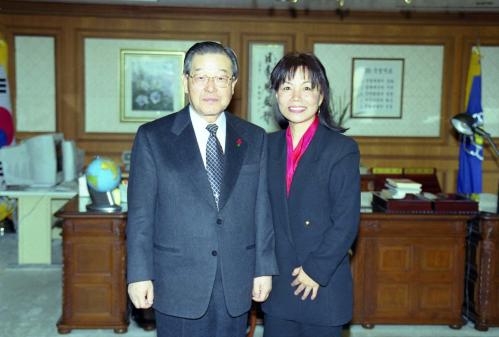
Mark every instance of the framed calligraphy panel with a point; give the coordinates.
(263, 57)
(377, 88)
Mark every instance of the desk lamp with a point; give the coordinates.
(463, 123)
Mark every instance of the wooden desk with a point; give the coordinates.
(35, 207)
(409, 269)
(94, 272)
(482, 271)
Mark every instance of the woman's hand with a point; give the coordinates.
(305, 284)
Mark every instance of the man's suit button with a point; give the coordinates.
(214, 253)
(219, 221)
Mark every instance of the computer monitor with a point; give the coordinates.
(16, 167)
(73, 159)
(38, 161)
(46, 159)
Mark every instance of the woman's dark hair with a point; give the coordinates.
(286, 68)
(210, 47)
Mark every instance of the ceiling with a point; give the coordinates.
(354, 5)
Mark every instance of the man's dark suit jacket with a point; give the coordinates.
(315, 226)
(175, 233)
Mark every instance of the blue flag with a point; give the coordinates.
(469, 179)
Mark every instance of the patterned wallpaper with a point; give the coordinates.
(422, 86)
(35, 84)
(102, 80)
(490, 89)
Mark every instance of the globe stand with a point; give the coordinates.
(102, 202)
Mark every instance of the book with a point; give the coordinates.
(404, 189)
(386, 170)
(393, 194)
(419, 171)
(399, 193)
(403, 183)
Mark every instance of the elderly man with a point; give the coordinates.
(199, 234)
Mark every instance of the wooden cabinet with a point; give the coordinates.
(482, 271)
(94, 258)
(409, 269)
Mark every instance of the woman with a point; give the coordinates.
(314, 188)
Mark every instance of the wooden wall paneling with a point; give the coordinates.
(448, 45)
(490, 179)
(82, 34)
(115, 143)
(448, 179)
(21, 29)
(236, 105)
(107, 10)
(439, 152)
(68, 67)
(105, 144)
(72, 23)
(452, 147)
(407, 151)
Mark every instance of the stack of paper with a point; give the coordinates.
(397, 188)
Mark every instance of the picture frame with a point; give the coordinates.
(263, 56)
(150, 84)
(424, 102)
(377, 88)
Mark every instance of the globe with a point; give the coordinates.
(103, 175)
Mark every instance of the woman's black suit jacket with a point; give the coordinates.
(315, 226)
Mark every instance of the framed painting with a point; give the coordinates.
(150, 84)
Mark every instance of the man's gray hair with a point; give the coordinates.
(210, 47)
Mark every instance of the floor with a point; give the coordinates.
(30, 305)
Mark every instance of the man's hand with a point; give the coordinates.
(142, 294)
(262, 286)
(305, 284)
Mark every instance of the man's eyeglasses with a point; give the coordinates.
(219, 81)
